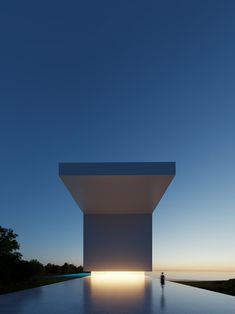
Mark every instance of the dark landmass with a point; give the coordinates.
(222, 286)
(14, 286)
(18, 274)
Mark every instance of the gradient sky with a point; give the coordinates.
(119, 81)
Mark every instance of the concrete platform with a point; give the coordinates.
(88, 295)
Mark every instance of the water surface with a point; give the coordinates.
(143, 296)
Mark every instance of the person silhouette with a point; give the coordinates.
(162, 279)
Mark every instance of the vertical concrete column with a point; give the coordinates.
(118, 242)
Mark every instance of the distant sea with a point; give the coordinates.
(195, 275)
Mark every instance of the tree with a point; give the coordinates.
(24, 270)
(36, 268)
(8, 244)
(10, 258)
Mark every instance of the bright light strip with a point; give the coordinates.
(118, 276)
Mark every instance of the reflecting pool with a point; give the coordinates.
(142, 294)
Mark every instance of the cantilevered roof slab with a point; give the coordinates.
(117, 188)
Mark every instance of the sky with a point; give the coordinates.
(96, 81)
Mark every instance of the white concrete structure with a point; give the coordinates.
(117, 200)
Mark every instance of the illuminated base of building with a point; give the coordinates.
(118, 276)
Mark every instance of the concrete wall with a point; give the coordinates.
(118, 242)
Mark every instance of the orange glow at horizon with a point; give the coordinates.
(195, 267)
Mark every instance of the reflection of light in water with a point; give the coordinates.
(117, 281)
(116, 288)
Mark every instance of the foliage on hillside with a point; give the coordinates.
(13, 268)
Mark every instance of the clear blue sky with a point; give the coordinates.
(119, 81)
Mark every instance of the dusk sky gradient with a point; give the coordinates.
(96, 81)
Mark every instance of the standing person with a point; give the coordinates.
(162, 279)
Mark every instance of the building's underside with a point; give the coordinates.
(117, 200)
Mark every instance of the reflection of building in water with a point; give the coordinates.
(119, 290)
